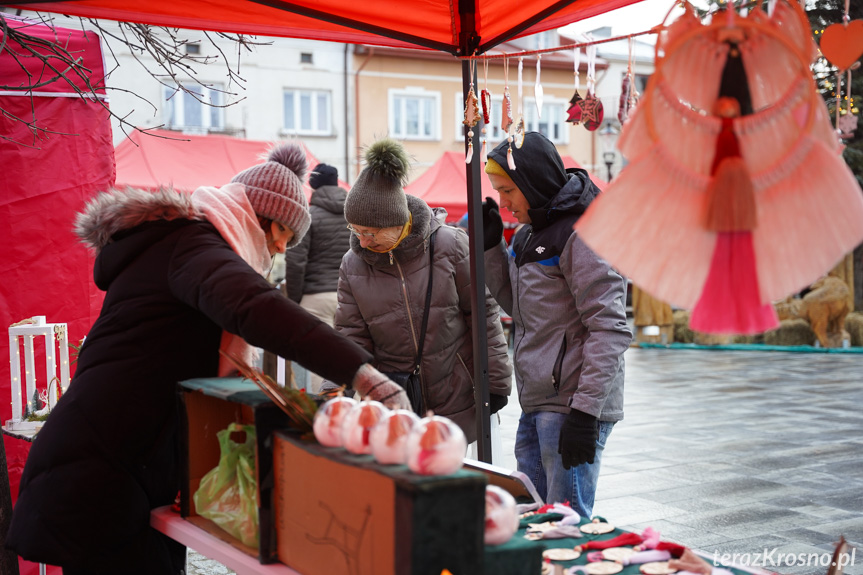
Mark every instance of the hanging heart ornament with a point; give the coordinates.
(843, 45)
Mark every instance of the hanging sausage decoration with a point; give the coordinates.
(485, 99)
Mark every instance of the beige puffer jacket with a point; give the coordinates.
(381, 302)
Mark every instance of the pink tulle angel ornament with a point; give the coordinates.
(735, 194)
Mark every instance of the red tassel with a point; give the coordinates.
(731, 198)
(730, 195)
(729, 301)
(619, 541)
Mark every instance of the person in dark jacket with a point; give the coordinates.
(384, 282)
(568, 309)
(184, 279)
(312, 268)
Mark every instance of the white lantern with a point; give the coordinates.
(56, 346)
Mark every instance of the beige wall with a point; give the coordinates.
(377, 75)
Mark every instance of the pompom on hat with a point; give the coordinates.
(323, 175)
(275, 188)
(377, 199)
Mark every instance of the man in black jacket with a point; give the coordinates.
(312, 267)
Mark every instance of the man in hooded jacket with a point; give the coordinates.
(568, 310)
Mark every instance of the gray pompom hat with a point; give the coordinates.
(377, 199)
(275, 188)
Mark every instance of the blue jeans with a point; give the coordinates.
(536, 443)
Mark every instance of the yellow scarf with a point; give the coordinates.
(406, 230)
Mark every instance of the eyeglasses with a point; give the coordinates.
(367, 235)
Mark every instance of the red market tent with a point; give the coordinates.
(46, 178)
(163, 158)
(443, 185)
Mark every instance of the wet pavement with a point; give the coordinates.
(754, 453)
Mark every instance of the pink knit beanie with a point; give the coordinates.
(275, 188)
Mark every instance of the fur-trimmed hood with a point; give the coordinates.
(116, 210)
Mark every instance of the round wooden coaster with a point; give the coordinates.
(618, 554)
(603, 568)
(657, 568)
(597, 528)
(561, 554)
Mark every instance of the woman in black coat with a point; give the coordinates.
(184, 278)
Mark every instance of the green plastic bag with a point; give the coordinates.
(228, 494)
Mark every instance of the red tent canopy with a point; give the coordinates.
(162, 158)
(437, 25)
(443, 185)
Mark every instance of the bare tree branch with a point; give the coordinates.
(160, 51)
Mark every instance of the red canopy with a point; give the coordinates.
(162, 158)
(437, 25)
(443, 185)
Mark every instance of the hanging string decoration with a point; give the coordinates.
(485, 99)
(628, 91)
(735, 194)
(574, 110)
(537, 88)
(591, 107)
(471, 114)
(842, 46)
(506, 114)
(518, 132)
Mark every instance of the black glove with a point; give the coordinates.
(578, 436)
(496, 402)
(492, 224)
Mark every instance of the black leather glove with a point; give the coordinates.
(492, 224)
(578, 436)
(496, 402)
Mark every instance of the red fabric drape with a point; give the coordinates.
(45, 179)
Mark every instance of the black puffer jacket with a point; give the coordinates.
(313, 265)
(107, 455)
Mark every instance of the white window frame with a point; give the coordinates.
(212, 117)
(427, 98)
(495, 135)
(314, 95)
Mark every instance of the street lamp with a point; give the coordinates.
(608, 138)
